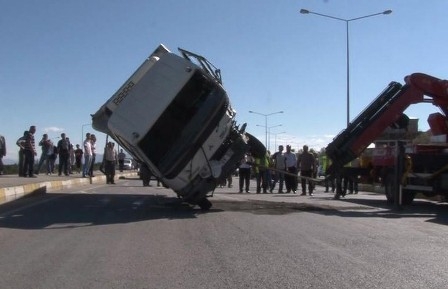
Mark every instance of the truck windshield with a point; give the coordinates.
(185, 124)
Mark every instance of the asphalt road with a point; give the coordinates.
(128, 236)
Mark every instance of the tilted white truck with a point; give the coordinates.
(174, 115)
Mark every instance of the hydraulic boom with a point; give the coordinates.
(385, 110)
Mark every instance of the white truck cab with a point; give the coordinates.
(174, 115)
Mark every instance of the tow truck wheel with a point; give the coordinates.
(204, 204)
(407, 196)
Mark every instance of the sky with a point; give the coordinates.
(60, 60)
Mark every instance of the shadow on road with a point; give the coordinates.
(54, 211)
(436, 212)
(357, 208)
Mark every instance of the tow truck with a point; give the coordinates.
(173, 114)
(419, 168)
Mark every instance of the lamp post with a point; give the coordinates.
(82, 131)
(266, 123)
(275, 138)
(268, 147)
(347, 21)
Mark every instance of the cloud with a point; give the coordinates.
(53, 129)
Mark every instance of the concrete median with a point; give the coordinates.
(13, 187)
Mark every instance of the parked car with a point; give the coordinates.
(128, 164)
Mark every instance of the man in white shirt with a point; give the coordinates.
(87, 156)
(93, 148)
(244, 173)
(291, 168)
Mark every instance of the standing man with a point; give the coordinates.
(78, 158)
(93, 147)
(45, 145)
(291, 168)
(280, 167)
(306, 163)
(145, 174)
(21, 144)
(87, 156)
(329, 180)
(244, 173)
(64, 154)
(71, 157)
(261, 168)
(110, 157)
(2, 152)
(121, 157)
(30, 153)
(52, 156)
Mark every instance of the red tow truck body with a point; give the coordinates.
(426, 170)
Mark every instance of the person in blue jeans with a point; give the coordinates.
(87, 156)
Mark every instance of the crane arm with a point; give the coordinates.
(385, 110)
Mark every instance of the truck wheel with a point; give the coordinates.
(204, 204)
(407, 196)
(256, 147)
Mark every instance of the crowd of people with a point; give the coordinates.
(288, 170)
(72, 159)
(282, 168)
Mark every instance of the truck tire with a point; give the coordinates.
(408, 197)
(256, 147)
(389, 189)
(204, 204)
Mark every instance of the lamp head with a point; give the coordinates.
(304, 11)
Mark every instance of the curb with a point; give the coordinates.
(13, 193)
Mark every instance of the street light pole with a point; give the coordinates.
(265, 123)
(82, 131)
(269, 134)
(275, 138)
(347, 21)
